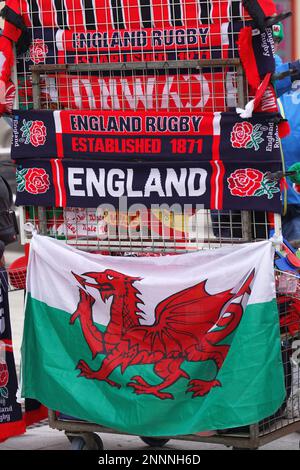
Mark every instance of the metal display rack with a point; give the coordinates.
(89, 230)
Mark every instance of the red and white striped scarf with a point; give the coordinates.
(132, 14)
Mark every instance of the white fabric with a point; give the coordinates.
(52, 262)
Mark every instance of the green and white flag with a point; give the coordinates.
(153, 345)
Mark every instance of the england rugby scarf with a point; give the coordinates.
(216, 41)
(230, 40)
(11, 420)
(215, 25)
(67, 14)
(148, 136)
(119, 14)
(86, 183)
(154, 346)
(212, 90)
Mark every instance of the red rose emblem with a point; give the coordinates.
(38, 51)
(241, 134)
(4, 375)
(245, 182)
(37, 181)
(38, 133)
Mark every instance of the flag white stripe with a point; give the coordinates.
(160, 277)
(58, 178)
(57, 122)
(217, 185)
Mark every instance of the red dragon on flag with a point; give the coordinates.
(189, 326)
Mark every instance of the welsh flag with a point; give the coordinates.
(153, 345)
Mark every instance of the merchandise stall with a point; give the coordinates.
(145, 130)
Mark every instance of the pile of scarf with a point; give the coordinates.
(67, 31)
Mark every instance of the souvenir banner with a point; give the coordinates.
(58, 46)
(212, 90)
(215, 41)
(86, 183)
(11, 419)
(68, 14)
(154, 345)
(151, 136)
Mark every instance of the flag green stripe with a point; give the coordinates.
(251, 376)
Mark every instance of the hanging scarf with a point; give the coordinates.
(86, 183)
(260, 10)
(149, 136)
(213, 41)
(11, 421)
(101, 45)
(68, 14)
(150, 91)
(14, 32)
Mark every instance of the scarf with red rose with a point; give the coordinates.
(154, 136)
(11, 420)
(89, 183)
(195, 30)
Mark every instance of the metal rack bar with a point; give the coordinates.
(151, 65)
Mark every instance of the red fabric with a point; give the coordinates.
(7, 88)
(6, 58)
(292, 319)
(24, 8)
(265, 98)
(11, 429)
(247, 56)
(10, 31)
(268, 7)
(271, 219)
(268, 100)
(17, 273)
(193, 13)
(14, 5)
(284, 129)
(191, 91)
(27, 251)
(47, 11)
(283, 184)
(75, 13)
(35, 416)
(297, 188)
(10, 34)
(131, 11)
(8, 97)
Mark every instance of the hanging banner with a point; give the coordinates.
(212, 90)
(210, 185)
(58, 46)
(154, 338)
(214, 41)
(71, 14)
(151, 136)
(11, 419)
(74, 32)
